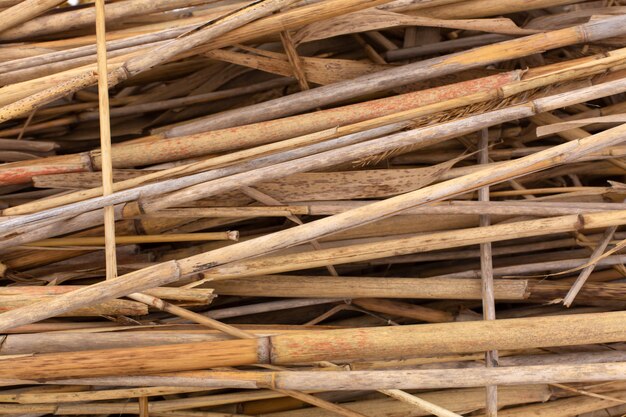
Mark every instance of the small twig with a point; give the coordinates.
(586, 272)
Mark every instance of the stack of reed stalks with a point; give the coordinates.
(312, 208)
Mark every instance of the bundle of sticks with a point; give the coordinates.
(296, 208)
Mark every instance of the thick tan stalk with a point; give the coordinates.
(422, 379)
(24, 11)
(367, 287)
(196, 295)
(110, 307)
(331, 345)
(482, 8)
(112, 394)
(462, 337)
(410, 245)
(105, 141)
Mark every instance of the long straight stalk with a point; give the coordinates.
(331, 345)
(105, 141)
(486, 269)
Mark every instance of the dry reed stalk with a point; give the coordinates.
(367, 287)
(419, 403)
(584, 274)
(105, 141)
(486, 269)
(333, 345)
(38, 398)
(130, 240)
(405, 379)
(409, 245)
(23, 11)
